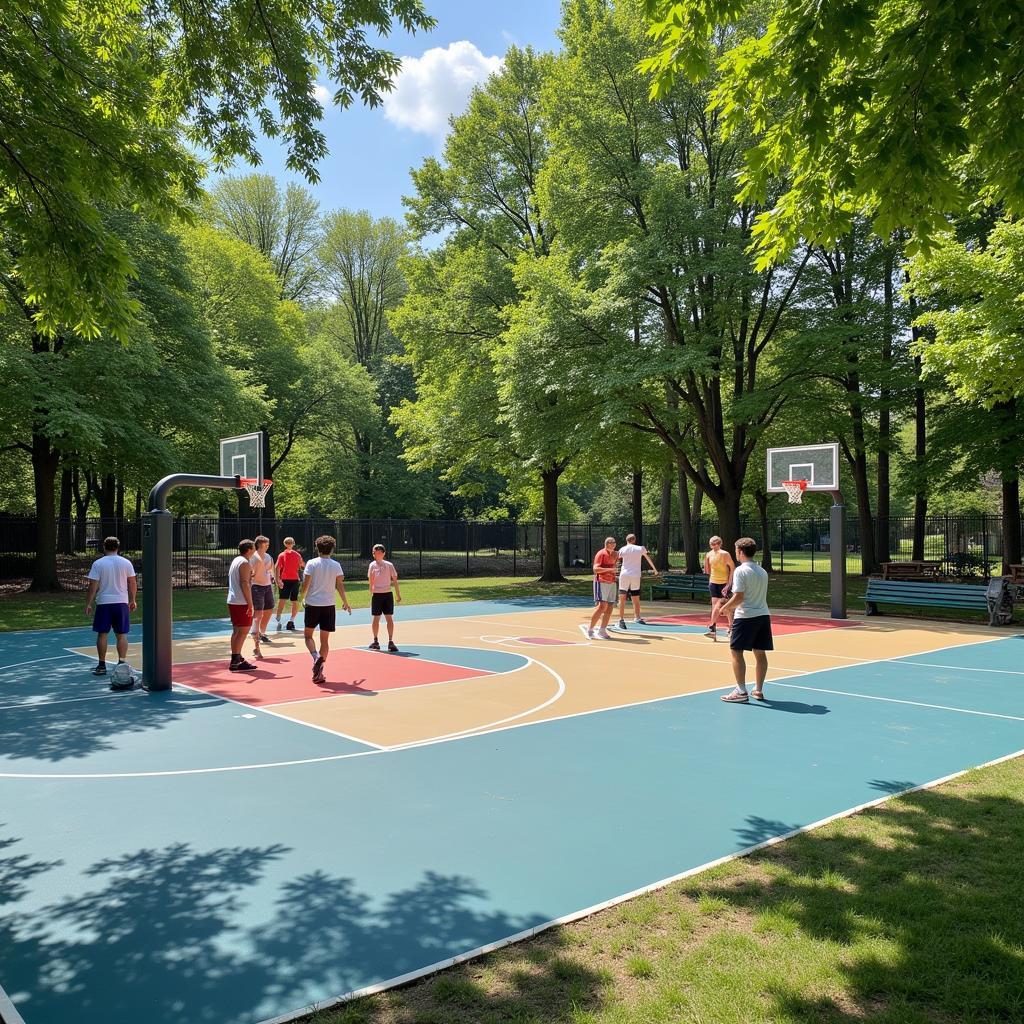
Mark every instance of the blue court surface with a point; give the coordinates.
(192, 857)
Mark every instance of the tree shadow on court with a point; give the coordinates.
(760, 830)
(56, 732)
(918, 904)
(177, 934)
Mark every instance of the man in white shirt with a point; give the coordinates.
(751, 622)
(323, 577)
(240, 604)
(632, 555)
(113, 585)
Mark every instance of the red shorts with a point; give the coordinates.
(241, 615)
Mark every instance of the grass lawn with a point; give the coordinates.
(905, 914)
(796, 590)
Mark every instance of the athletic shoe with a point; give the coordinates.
(712, 633)
(375, 646)
(277, 620)
(604, 634)
(391, 647)
(100, 670)
(265, 639)
(242, 666)
(622, 623)
(318, 670)
(639, 622)
(291, 625)
(594, 634)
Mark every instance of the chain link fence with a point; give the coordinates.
(967, 546)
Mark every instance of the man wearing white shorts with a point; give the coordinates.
(632, 555)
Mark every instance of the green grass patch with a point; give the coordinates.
(905, 914)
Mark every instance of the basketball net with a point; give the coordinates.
(795, 489)
(257, 491)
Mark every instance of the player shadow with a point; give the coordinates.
(58, 732)
(916, 904)
(357, 688)
(181, 933)
(792, 707)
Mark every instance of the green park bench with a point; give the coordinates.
(925, 595)
(690, 585)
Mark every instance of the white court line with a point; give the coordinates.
(577, 915)
(484, 674)
(905, 660)
(458, 737)
(897, 700)
(256, 707)
(35, 661)
(65, 700)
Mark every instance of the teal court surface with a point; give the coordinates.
(245, 847)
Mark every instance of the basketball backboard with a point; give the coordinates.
(818, 464)
(242, 456)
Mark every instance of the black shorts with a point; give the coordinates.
(289, 590)
(382, 604)
(717, 589)
(262, 597)
(752, 634)
(321, 615)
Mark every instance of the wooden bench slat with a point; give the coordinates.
(924, 594)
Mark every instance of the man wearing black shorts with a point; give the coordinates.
(751, 622)
(383, 576)
(323, 577)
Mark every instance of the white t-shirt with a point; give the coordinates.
(112, 572)
(238, 566)
(322, 573)
(262, 570)
(751, 581)
(632, 556)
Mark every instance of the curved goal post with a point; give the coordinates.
(157, 569)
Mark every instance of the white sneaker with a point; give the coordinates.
(278, 621)
(604, 634)
(595, 634)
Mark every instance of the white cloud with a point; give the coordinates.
(429, 89)
(322, 93)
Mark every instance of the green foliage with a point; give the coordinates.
(93, 94)
(902, 110)
(284, 227)
(976, 339)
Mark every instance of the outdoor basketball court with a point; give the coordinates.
(245, 845)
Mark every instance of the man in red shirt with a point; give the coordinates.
(289, 565)
(605, 589)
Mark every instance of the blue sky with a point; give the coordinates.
(371, 151)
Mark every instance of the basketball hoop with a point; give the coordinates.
(257, 491)
(795, 489)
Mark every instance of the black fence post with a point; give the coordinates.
(184, 526)
(782, 545)
(467, 548)
(421, 549)
(984, 545)
(515, 543)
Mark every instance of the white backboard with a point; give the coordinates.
(818, 464)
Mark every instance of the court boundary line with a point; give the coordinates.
(486, 674)
(579, 915)
(8, 1011)
(905, 660)
(254, 707)
(898, 700)
(422, 743)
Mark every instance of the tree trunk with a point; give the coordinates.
(1011, 520)
(665, 515)
(119, 502)
(761, 497)
(859, 468)
(638, 504)
(920, 439)
(551, 571)
(65, 539)
(691, 542)
(728, 509)
(882, 511)
(81, 508)
(45, 460)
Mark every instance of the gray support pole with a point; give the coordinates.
(837, 549)
(157, 567)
